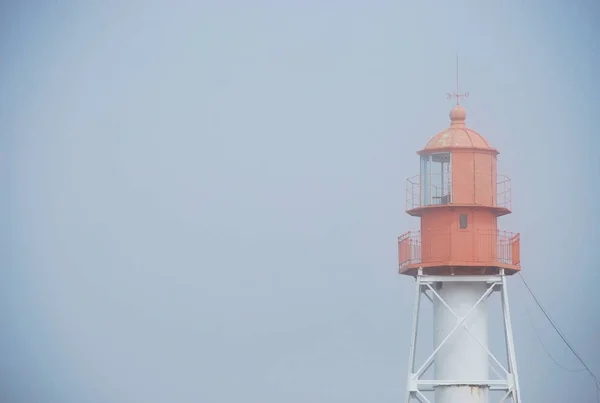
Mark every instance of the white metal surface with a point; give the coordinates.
(512, 360)
(462, 358)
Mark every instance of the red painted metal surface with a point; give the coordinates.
(491, 248)
(432, 194)
(458, 197)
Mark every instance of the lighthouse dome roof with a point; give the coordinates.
(457, 135)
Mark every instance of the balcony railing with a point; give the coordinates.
(480, 247)
(438, 189)
(409, 249)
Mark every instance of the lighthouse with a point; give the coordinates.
(459, 258)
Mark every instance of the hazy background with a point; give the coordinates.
(201, 199)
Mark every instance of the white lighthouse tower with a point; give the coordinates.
(458, 259)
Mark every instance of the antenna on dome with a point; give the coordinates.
(457, 94)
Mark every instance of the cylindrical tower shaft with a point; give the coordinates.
(463, 356)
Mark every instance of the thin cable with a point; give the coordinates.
(562, 336)
(535, 332)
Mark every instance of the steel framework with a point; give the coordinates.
(508, 382)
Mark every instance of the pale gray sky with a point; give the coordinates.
(202, 198)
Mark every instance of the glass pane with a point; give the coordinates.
(440, 177)
(436, 179)
(463, 221)
(425, 181)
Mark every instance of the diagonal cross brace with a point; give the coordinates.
(509, 393)
(421, 397)
(430, 359)
(470, 331)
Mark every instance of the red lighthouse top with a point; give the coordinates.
(458, 197)
(457, 135)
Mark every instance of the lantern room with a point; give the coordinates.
(458, 167)
(458, 196)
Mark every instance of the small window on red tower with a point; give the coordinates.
(463, 221)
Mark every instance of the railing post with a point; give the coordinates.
(516, 250)
(403, 255)
(409, 248)
(400, 251)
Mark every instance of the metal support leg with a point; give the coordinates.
(413, 339)
(509, 382)
(510, 345)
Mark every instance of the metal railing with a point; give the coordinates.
(503, 192)
(438, 189)
(484, 247)
(433, 191)
(409, 248)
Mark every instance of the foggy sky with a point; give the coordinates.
(201, 199)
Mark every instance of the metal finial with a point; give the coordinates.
(457, 94)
